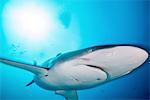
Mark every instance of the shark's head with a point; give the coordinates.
(121, 60)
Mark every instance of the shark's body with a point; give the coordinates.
(83, 69)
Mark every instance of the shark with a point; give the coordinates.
(83, 69)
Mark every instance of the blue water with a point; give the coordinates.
(98, 22)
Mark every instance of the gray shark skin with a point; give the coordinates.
(84, 69)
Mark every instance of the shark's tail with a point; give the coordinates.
(34, 69)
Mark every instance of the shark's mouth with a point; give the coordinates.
(99, 68)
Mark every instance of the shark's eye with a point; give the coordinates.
(46, 75)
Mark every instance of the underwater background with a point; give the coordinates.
(36, 30)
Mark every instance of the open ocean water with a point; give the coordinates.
(36, 30)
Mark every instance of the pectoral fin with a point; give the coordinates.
(68, 94)
(30, 83)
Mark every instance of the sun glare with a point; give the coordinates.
(29, 21)
(39, 25)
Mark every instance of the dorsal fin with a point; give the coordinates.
(50, 61)
(46, 63)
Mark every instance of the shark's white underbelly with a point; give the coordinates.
(83, 76)
(79, 77)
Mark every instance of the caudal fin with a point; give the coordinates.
(28, 67)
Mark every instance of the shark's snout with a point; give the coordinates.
(136, 56)
(140, 55)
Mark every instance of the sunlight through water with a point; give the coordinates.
(37, 26)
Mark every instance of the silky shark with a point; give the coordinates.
(83, 69)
